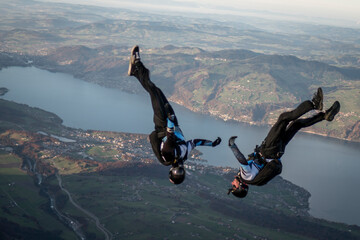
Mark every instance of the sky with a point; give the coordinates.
(342, 12)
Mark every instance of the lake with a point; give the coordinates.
(327, 168)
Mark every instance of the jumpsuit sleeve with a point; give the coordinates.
(174, 130)
(202, 142)
(191, 144)
(205, 142)
(238, 155)
(168, 146)
(247, 170)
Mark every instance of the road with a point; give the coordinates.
(107, 233)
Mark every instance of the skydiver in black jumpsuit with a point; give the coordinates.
(264, 163)
(167, 140)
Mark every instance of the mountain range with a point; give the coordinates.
(241, 68)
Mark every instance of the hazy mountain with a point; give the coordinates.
(96, 26)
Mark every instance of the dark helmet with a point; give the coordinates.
(241, 191)
(177, 174)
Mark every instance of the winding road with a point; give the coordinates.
(107, 233)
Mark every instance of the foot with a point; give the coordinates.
(134, 58)
(318, 99)
(332, 111)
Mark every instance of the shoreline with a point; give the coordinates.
(268, 126)
(219, 116)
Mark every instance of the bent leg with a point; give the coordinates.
(298, 124)
(278, 129)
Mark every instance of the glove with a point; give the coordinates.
(232, 140)
(216, 142)
(171, 117)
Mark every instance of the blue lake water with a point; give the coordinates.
(327, 168)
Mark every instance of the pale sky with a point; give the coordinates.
(342, 11)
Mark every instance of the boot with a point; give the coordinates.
(318, 99)
(332, 111)
(134, 58)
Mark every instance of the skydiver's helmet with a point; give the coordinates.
(240, 191)
(177, 174)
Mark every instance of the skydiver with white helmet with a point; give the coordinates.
(265, 162)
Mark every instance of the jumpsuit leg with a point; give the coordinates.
(298, 124)
(158, 99)
(277, 132)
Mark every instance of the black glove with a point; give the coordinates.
(216, 142)
(232, 140)
(171, 117)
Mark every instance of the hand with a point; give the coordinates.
(171, 117)
(170, 123)
(232, 140)
(216, 142)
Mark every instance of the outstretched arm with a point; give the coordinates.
(239, 156)
(191, 144)
(247, 171)
(204, 142)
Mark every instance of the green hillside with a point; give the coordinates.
(25, 210)
(58, 190)
(245, 69)
(230, 84)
